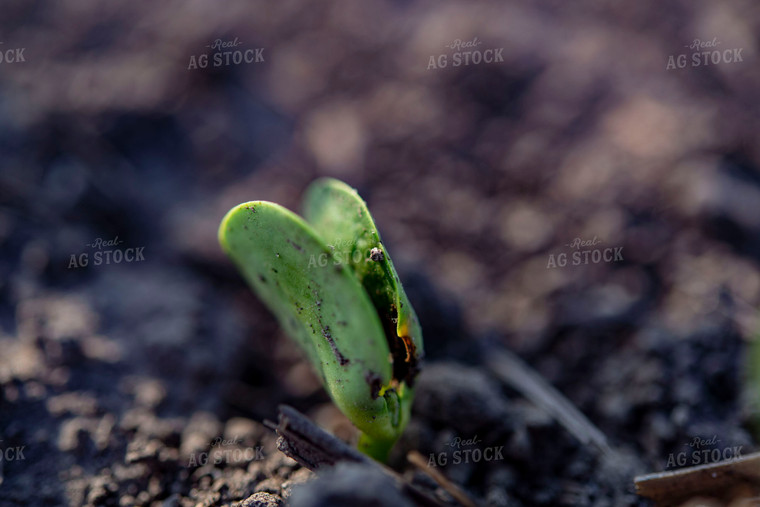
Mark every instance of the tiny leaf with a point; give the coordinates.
(323, 307)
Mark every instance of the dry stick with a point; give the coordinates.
(310, 445)
(673, 488)
(513, 371)
(416, 459)
(315, 448)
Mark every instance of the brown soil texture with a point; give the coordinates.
(147, 382)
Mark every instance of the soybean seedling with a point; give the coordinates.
(345, 307)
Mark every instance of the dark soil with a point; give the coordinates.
(147, 382)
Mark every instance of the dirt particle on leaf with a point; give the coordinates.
(295, 245)
(376, 255)
(375, 383)
(340, 357)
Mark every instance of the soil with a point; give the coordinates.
(147, 382)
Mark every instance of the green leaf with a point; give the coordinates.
(321, 304)
(340, 215)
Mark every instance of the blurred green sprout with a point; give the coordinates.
(341, 301)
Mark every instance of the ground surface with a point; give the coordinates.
(117, 381)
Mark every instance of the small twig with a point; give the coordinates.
(674, 488)
(310, 445)
(416, 459)
(314, 448)
(513, 371)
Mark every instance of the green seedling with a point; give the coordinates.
(332, 286)
(753, 383)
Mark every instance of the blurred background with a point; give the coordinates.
(585, 125)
